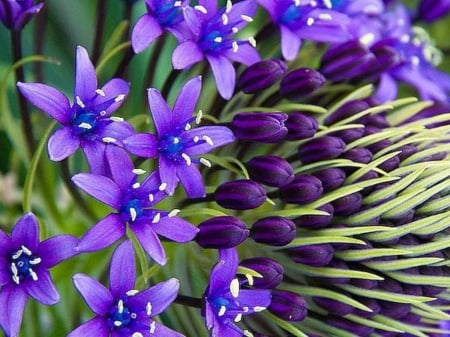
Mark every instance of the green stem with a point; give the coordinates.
(100, 20)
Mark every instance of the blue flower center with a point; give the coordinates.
(120, 315)
(84, 122)
(213, 40)
(171, 147)
(132, 210)
(23, 264)
(221, 305)
(291, 14)
(169, 13)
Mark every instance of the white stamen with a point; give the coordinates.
(17, 254)
(14, 269)
(248, 333)
(367, 39)
(235, 30)
(16, 279)
(198, 118)
(328, 3)
(152, 327)
(235, 46)
(100, 92)
(156, 218)
(80, 102)
(222, 311)
(208, 140)
(33, 274)
(151, 197)
(133, 214)
(218, 39)
(26, 250)
(187, 159)
(173, 212)
(258, 309)
(297, 3)
(108, 140)
(404, 38)
(120, 307)
(119, 98)
(229, 6)
(205, 162)
(415, 60)
(310, 21)
(238, 318)
(116, 119)
(234, 287)
(177, 4)
(187, 127)
(132, 292)
(162, 187)
(250, 279)
(252, 41)
(35, 261)
(196, 139)
(136, 185)
(148, 308)
(201, 9)
(138, 171)
(246, 309)
(85, 125)
(325, 16)
(137, 334)
(246, 18)
(117, 323)
(224, 19)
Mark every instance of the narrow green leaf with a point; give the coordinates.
(315, 240)
(232, 164)
(301, 107)
(401, 263)
(365, 254)
(330, 272)
(423, 155)
(116, 37)
(398, 325)
(294, 212)
(333, 129)
(404, 170)
(108, 56)
(371, 111)
(327, 328)
(359, 93)
(370, 166)
(376, 137)
(186, 212)
(349, 231)
(430, 177)
(371, 323)
(423, 122)
(425, 248)
(437, 281)
(397, 116)
(285, 325)
(434, 206)
(428, 311)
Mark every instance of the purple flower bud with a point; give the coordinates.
(431, 10)
(288, 305)
(322, 148)
(316, 221)
(378, 120)
(240, 194)
(270, 270)
(368, 302)
(274, 231)
(16, 14)
(261, 75)
(355, 328)
(270, 170)
(358, 155)
(333, 306)
(349, 135)
(221, 232)
(303, 189)
(331, 178)
(386, 57)
(336, 264)
(390, 164)
(259, 126)
(364, 283)
(300, 126)
(301, 82)
(312, 255)
(346, 110)
(394, 310)
(390, 285)
(348, 204)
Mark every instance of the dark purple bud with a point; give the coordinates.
(390, 285)
(431, 10)
(300, 126)
(348, 204)
(221, 232)
(261, 75)
(407, 150)
(270, 170)
(259, 126)
(240, 194)
(390, 164)
(301, 82)
(349, 135)
(316, 221)
(412, 289)
(380, 145)
(312, 255)
(270, 270)
(368, 302)
(394, 310)
(323, 148)
(364, 283)
(378, 120)
(303, 189)
(429, 290)
(288, 305)
(331, 178)
(348, 109)
(386, 57)
(358, 155)
(332, 306)
(273, 231)
(336, 264)
(355, 328)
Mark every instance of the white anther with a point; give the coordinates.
(367, 39)
(415, 60)
(100, 92)
(208, 140)
(173, 212)
(235, 46)
(117, 323)
(246, 309)
(80, 102)
(120, 306)
(85, 125)
(35, 261)
(246, 18)
(162, 187)
(196, 139)
(152, 327)
(325, 16)
(14, 269)
(235, 30)
(252, 41)
(250, 279)
(116, 119)
(405, 38)
(177, 4)
(137, 334)
(187, 127)
(156, 218)
(187, 159)
(218, 39)
(198, 118)
(16, 279)
(205, 162)
(234, 287)
(133, 315)
(310, 21)
(138, 171)
(148, 308)
(133, 214)
(229, 6)
(225, 19)
(108, 140)
(248, 333)
(258, 309)
(33, 274)
(132, 292)
(151, 197)
(328, 3)
(26, 250)
(297, 3)
(222, 310)
(201, 9)
(17, 254)
(238, 318)
(103, 113)
(136, 185)
(119, 98)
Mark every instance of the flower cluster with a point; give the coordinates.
(247, 168)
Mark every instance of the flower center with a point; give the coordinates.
(84, 122)
(22, 264)
(169, 13)
(220, 304)
(171, 147)
(120, 315)
(132, 210)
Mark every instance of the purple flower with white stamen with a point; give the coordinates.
(24, 264)
(225, 303)
(121, 310)
(15, 14)
(87, 123)
(213, 38)
(177, 143)
(133, 202)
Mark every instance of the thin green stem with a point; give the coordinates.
(100, 20)
(189, 301)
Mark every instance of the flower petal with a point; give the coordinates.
(149, 240)
(121, 167)
(192, 180)
(103, 234)
(168, 174)
(48, 99)
(141, 144)
(94, 152)
(224, 74)
(115, 131)
(43, 290)
(290, 43)
(246, 54)
(99, 187)
(57, 249)
(62, 144)
(5, 276)
(252, 298)
(85, 77)
(97, 297)
(26, 232)
(12, 302)
(175, 228)
(225, 270)
(116, 90)
(219, 135)
(145, 31)
(387, 89)
(161, 330)
(96, 327)
(187, 100)
(160, 296)
(122, 273)
(161, 113)
(186, 54)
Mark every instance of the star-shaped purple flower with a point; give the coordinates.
(87, 123)
(177, 143)
(15, 14)
(161, 15)
(121, 310)
(133, 202)
(213, 38)
(225, 303)
(24, 264)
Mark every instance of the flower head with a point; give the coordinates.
(15, 14)
(87, 123)
(121, 310)
(24, 264)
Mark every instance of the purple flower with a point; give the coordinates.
(15, 14)
(87, 123)
(225, 302)
(177, 144)
(133, 202)
(162, 15)
(310, 20)
(213, 38)
(24, 264)
(121, 310)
